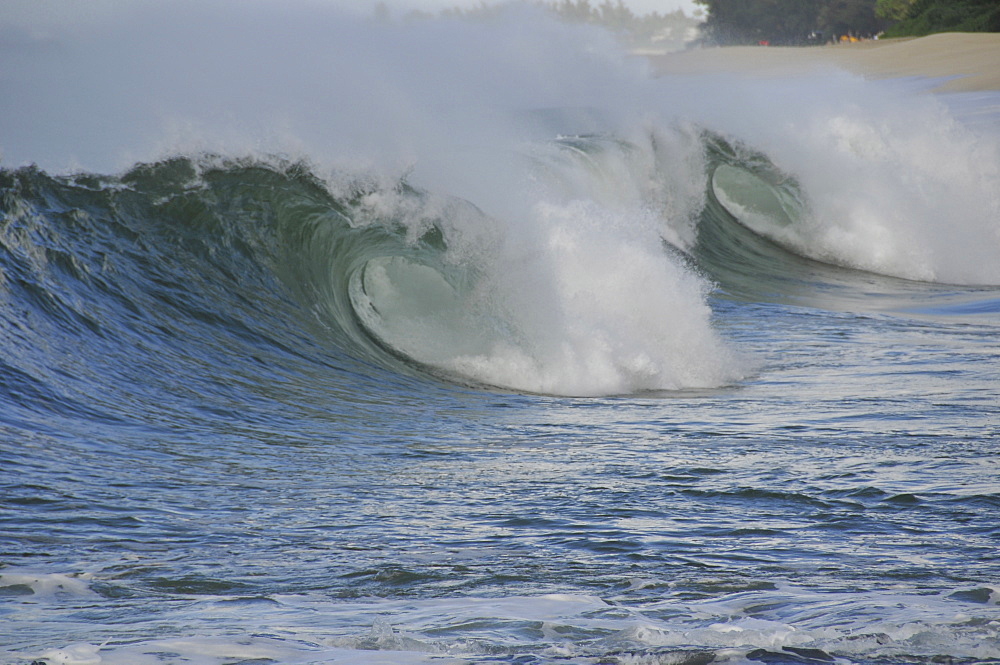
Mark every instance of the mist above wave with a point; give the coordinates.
(311, 80)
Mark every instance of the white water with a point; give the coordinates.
(569, 250)
(376, 631)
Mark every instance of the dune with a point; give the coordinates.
(965, 61)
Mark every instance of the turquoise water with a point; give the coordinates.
(573, 387)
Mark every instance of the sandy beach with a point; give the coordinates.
(970, 61)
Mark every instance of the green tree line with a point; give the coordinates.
(655, 31)
(922, 17)
(804, 21)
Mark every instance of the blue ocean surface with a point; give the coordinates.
(331, 341)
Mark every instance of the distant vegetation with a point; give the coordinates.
(654, 31)
(922, 17)
(789, 22)
(779, 22)
(818, 21)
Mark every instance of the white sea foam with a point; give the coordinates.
(575, 627)
(74, 654)
(597, 307)
(47, 585)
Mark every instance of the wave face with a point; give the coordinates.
(407, 280)
(324, 339)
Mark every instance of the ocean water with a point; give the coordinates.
(325, 340)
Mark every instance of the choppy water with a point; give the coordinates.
(545, 361)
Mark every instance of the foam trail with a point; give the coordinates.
(47, 585)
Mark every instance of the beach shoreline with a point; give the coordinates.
(969, 61)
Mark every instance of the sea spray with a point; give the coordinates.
(258, 78)
(587, 279)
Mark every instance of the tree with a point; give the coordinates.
(615, 15)
(841, 17)
(926, 16)
(753, 21)
(893, 10)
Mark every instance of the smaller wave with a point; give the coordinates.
(757, 239)
(863, 176)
